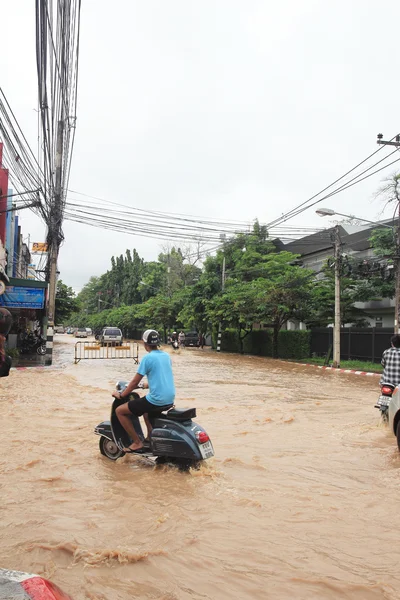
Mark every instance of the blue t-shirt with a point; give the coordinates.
(157, 367)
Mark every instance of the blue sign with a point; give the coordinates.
(22, 297)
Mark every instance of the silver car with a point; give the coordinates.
(394, 415)
(111, 336)
(81, 333)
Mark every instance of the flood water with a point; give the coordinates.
(298, 503)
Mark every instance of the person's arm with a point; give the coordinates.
(130, 387)
(383, 361)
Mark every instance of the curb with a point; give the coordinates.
(347, 371)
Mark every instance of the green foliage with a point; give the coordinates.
(12, 352)
(230, 341)
(259, 342)
(294, 344)
(352, 289)
(291, 344)
(66, 302)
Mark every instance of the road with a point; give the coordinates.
(299, 501)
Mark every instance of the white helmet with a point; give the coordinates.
(151, 337)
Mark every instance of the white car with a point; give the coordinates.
(394, 415)
(111, 336)
(81, 333)
(89, 331)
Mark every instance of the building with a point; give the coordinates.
(315, 249)
(20, 293)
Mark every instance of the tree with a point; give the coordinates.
(66, 302)
(281, 294)
(158, 311)
(352, 289)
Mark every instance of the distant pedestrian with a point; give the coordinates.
(391, 363)
(202, 340)
(181, 338)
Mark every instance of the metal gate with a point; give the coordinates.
(107, 350)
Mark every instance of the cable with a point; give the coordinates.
(293, 212)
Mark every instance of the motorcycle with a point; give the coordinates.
(31, 342)
(175, 439)
(175, 344)
(383, 402)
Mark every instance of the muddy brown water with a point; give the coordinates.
(299, 501)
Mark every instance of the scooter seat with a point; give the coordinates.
(180, 414)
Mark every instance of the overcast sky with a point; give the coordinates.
(226, 108)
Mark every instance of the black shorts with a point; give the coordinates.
(140, 406)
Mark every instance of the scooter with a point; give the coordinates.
(383, 402)
(31, 342)
(175, 438)
(175, 344)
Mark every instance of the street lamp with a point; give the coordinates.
(328, 212)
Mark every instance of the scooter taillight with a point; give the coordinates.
(387, 390)
(202, 437)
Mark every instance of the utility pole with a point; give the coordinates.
(55, 223)
(220, 323)
(336, 330)
(396, 144)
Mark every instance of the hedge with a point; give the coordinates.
(294, 344)
(291, 343)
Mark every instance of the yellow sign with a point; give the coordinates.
(39, 247)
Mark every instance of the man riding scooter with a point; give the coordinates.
(391, 363)
(157, 367)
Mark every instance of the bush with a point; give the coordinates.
(258, 342)
(230, 341)
(13, 352)
(291, 344)
(294, 344)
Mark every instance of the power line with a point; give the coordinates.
(305, 205)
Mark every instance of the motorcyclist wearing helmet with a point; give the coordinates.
(5, 326)
(157, 367)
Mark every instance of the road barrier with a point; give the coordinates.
(106, 350)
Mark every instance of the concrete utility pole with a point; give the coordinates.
(55, 223)
(220, 323)
(336, 330)
(396, 144)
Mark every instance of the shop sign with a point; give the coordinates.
(39, 247)
(22, 297)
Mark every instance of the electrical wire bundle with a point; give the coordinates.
(18, 158)
(57, 54)
(367, 172)
(162, 225)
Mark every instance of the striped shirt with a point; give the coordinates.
(391, 363)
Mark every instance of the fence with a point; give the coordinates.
(107, 350)
(355, 343)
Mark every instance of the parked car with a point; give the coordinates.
(81, 333)
(394, 415)
(192, 338)
(111, 336)
(89, 331)
(59, 329)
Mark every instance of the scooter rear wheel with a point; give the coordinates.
(110, 449)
